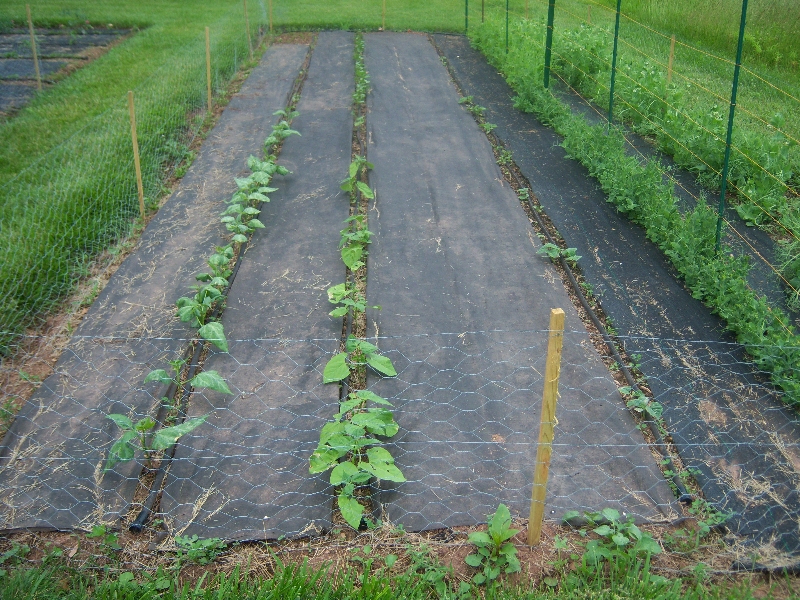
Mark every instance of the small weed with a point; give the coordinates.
(554, 252)
(106, 537)
(505, 158)
(495, 553)
(197, 550)
(13, 556)
(489, 127)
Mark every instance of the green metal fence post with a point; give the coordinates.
(506, 26)
(614, 66)
(726, 164)
(548, 46)
(466, 16)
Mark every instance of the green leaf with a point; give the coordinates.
(620, 540)
(214, 333)
(145, 424)
(603, 530)
(473, 560)
(336, 369)
(239, 238)
(339, 312)
(382, 364)
(610, 514)
(344, 472)
(366, 395)
(351, 510)
(569, 515)
(323, 459)
(164, 438)
(381, 464)
(255, 224)
(122, 421)
(210, 380)
(365, 190)
(158, 375)
(480, 538)
(352, 255)
(122, 450)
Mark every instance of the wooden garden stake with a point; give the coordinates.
(208, 68)
(247, 28)
(544, 448)
(33, 48)
(671, 59)
(589, 14)
(383, 17)
(270, 16)
(136, 162)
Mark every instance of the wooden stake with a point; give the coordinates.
(544, 448)
(137, 164)
(589, 14)
(483, 10)
(383, 19)
(270, 16)
(247, 28)
(33, 48)
(208, 68)
(671, 59)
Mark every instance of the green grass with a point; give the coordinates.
(301, 582)
(67, 186)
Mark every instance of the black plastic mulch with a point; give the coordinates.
(247, 476)
(452, 253)
(725, 419)
(52, 458)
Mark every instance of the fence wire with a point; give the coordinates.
(468, 409)
(80, 199)
(686, 117)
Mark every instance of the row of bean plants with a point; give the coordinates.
(203, 310)
(350, 445)
(639, 191)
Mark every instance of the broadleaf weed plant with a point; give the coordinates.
(495, 553)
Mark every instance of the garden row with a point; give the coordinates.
(639, 191)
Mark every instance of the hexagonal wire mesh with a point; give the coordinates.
(468, 408)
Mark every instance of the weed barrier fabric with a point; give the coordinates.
(16, 94)
(52, 458)
(246, 476)
(724, 418)
(452, 253)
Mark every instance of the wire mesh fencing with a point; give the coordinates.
(678, 95)
(79, 199)
(467, 405)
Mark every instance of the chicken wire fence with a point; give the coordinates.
(80, 198)
(467, 405)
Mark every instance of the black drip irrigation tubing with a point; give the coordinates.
(137, 526)
(683, 495)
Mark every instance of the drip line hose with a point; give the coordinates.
(683, 494)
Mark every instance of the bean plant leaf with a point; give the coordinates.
(381, 465)
(365, 190)
(323, 459)
(214, 333)
(371, 397)
(351, 510)
(159, 375)
(474, 560)
(122, 421)
(343, 473)
(382, 364)
(122, 450)
(336, 369)
(166, 437)
(210, 380)
(351, 255)
(339, 312)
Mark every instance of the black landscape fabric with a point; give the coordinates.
(453, 260)
(247, 476)
(725, 420)
(52, 458)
